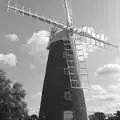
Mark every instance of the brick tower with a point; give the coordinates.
(62, 96)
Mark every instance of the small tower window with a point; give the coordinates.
(67, 95)
(68, 115)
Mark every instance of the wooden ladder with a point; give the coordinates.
(71, 70)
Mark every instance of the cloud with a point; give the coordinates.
(112, 102)
(12, 37)
(9, 59)
(97, 89)
(115, 88)
(38, 94)
(109, 69)
(106, 97)
(38, 42)
(118, 79)
(99, 93)
(103, 100)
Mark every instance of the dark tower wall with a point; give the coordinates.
(57, 94)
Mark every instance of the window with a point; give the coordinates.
(67, 95)
(68, 115)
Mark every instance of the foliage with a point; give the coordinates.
(99, 115)
(102, 116)
(12, 104)
(34, 117)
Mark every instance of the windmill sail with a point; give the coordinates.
(68, 12)
(68, 27)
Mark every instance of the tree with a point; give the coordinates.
(111, 117)
(34, 117)
(92, 117)
(12, 104)
(117, 115)
(99, 115)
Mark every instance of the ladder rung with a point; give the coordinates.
(69, 55)
(76, 87)
(68, 51)
(73, 77)
(70, 60)
(71, 67)
(74, 80)
(72, 73)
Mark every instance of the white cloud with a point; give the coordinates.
(99, 93)
(109, 69)
(9, 59)
(112, 102)
(107, 103)
(12, 37)
(97, 89)
(107, 98)
(115, 88)
(38, 42)
(38, 94)
(103, 100)
(118, 79)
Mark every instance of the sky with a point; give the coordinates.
(23, 53)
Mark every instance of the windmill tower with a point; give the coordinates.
(63, 95)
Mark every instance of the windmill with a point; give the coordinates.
(63, 92)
